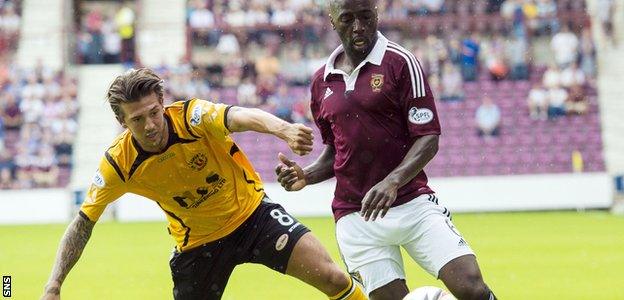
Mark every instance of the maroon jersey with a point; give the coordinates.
(372, 118)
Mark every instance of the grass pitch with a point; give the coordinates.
(546, 255)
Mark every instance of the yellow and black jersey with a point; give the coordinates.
(202, 181)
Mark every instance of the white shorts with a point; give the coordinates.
(371, 250)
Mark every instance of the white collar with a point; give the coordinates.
(374, 57)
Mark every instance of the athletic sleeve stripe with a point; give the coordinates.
(115, 166)
(186, 123)
(418, 82)
(84, 216)
(225, 117)
(411, 71)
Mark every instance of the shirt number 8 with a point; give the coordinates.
(283, 219)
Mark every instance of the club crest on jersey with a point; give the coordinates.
(420, 115)
(198, 162)
(196, 115)
(377, 81)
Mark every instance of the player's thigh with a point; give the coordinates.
(435, 240)
(311, 263)
(275, 233)
(368, 251)
(201, 273)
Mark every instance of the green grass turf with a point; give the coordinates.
(546, 255)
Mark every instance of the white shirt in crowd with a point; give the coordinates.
(558, 97)
(552, 78)
(201, 19)
(538, 97)
(565, 46)
(570, 77)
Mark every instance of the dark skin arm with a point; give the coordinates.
(381, 196)
(293, 178)
(72, 244)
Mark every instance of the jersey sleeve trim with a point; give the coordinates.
(415, 70)
(84, 216)
(225, 117)
(186, 123)
(115, 166)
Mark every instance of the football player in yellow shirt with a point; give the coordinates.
(181, 157)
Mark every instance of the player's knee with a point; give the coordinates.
(337, 279)
(473, 289)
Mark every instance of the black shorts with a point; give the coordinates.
(267, 237)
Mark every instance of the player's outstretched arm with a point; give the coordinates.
(73, 242)
(298, 136)
(293, 178)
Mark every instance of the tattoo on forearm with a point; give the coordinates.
(72, 244)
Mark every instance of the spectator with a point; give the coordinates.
(557, 97)
(280, 104)
(605, 10)
(517, 52)
(45, 171)
(452, 89)
(282, 16)
(572, 75)
(538, 102)
(246, 94)
(112, 42)
(11, 113)
(469, 58)
(124, 19)
(547, 15)
(228, 44)
(6, 179)
(565, 47)
(552, 77)
(202, 24)
(495, 59)
(293, 70)
(587, 52)
(488, 118)
(577, 102)
(9, 21)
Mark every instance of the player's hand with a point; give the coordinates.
(299, 138)
(290, 174)
(378, 200)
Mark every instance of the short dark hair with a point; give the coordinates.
(131, 86)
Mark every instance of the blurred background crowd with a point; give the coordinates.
(510, 77)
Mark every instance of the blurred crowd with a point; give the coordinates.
(38, 123)
(10, 21)
(261, 55)
(106, 32)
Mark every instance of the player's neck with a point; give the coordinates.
(350, 59)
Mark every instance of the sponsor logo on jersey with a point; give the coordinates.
(377, 81)
(196, 115)
(166, 156)
(98, 179)
(420, 115)
(281, 242)
(198, 162)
